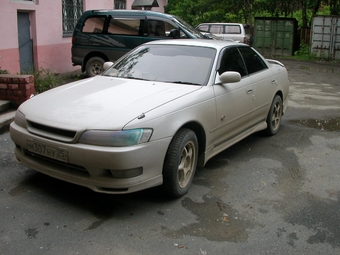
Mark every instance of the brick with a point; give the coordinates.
(33, 91)
(22, 78)
(3, 86)
(18, 93)
(5, 78)
(13, 86)
(3, 92)
(26, 86)
(10, 92)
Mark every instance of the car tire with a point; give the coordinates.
(94, 66)
(180, 163)
(274, 116)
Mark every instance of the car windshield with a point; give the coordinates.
(166, 63)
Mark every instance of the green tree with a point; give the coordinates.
(244, 11)
(334, 7)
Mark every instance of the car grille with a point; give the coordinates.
(54, 133)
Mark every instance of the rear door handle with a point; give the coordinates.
(249, 91)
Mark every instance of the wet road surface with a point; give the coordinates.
(265, 195)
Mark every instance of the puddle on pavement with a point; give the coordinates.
(324, 125)
(328, 69)
(215, 221)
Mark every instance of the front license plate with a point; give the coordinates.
(47, 150)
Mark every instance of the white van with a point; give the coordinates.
(235, 31)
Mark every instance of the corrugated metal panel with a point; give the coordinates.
(275, 36)
(326, 36)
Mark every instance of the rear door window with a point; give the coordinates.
(232, 29)
(125, 26)
(216, 29)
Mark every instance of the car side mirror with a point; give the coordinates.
(107, 65)
(174, 33)
(230, 77)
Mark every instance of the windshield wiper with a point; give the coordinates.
(134, 78)
(185, 82)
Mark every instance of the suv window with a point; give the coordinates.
(94, 25)
(232, 29)
(254, 62)
(216, 29)
(159, 28)
(124, 26)
(204, 28)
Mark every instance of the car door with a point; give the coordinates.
(234, 101)
(264, 85)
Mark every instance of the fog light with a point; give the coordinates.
(128, 173)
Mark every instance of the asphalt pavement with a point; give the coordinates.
(264, 195)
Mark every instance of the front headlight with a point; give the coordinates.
(116, 138)
(20, 119)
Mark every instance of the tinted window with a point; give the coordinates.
(216, 29)
(232, 61)
(203, 28)
(232, 29)
(124, 26)
(94, 25)
(253, 61)
(159, 28)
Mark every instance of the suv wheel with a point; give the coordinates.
(94, 66)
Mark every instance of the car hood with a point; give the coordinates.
(100, 102)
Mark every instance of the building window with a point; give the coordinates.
(72, 10)
(120, 4)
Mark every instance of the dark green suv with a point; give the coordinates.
(106, 35)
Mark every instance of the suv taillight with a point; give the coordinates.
(73, 39)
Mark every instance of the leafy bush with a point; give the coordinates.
(304, 53)
(45, 79)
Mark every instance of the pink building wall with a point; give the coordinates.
(51, 50)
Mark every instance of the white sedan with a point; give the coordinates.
(152, 117)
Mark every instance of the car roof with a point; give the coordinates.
(220, 23)
(127, 12)
(217, 44)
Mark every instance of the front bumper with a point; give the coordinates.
(93, 166)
